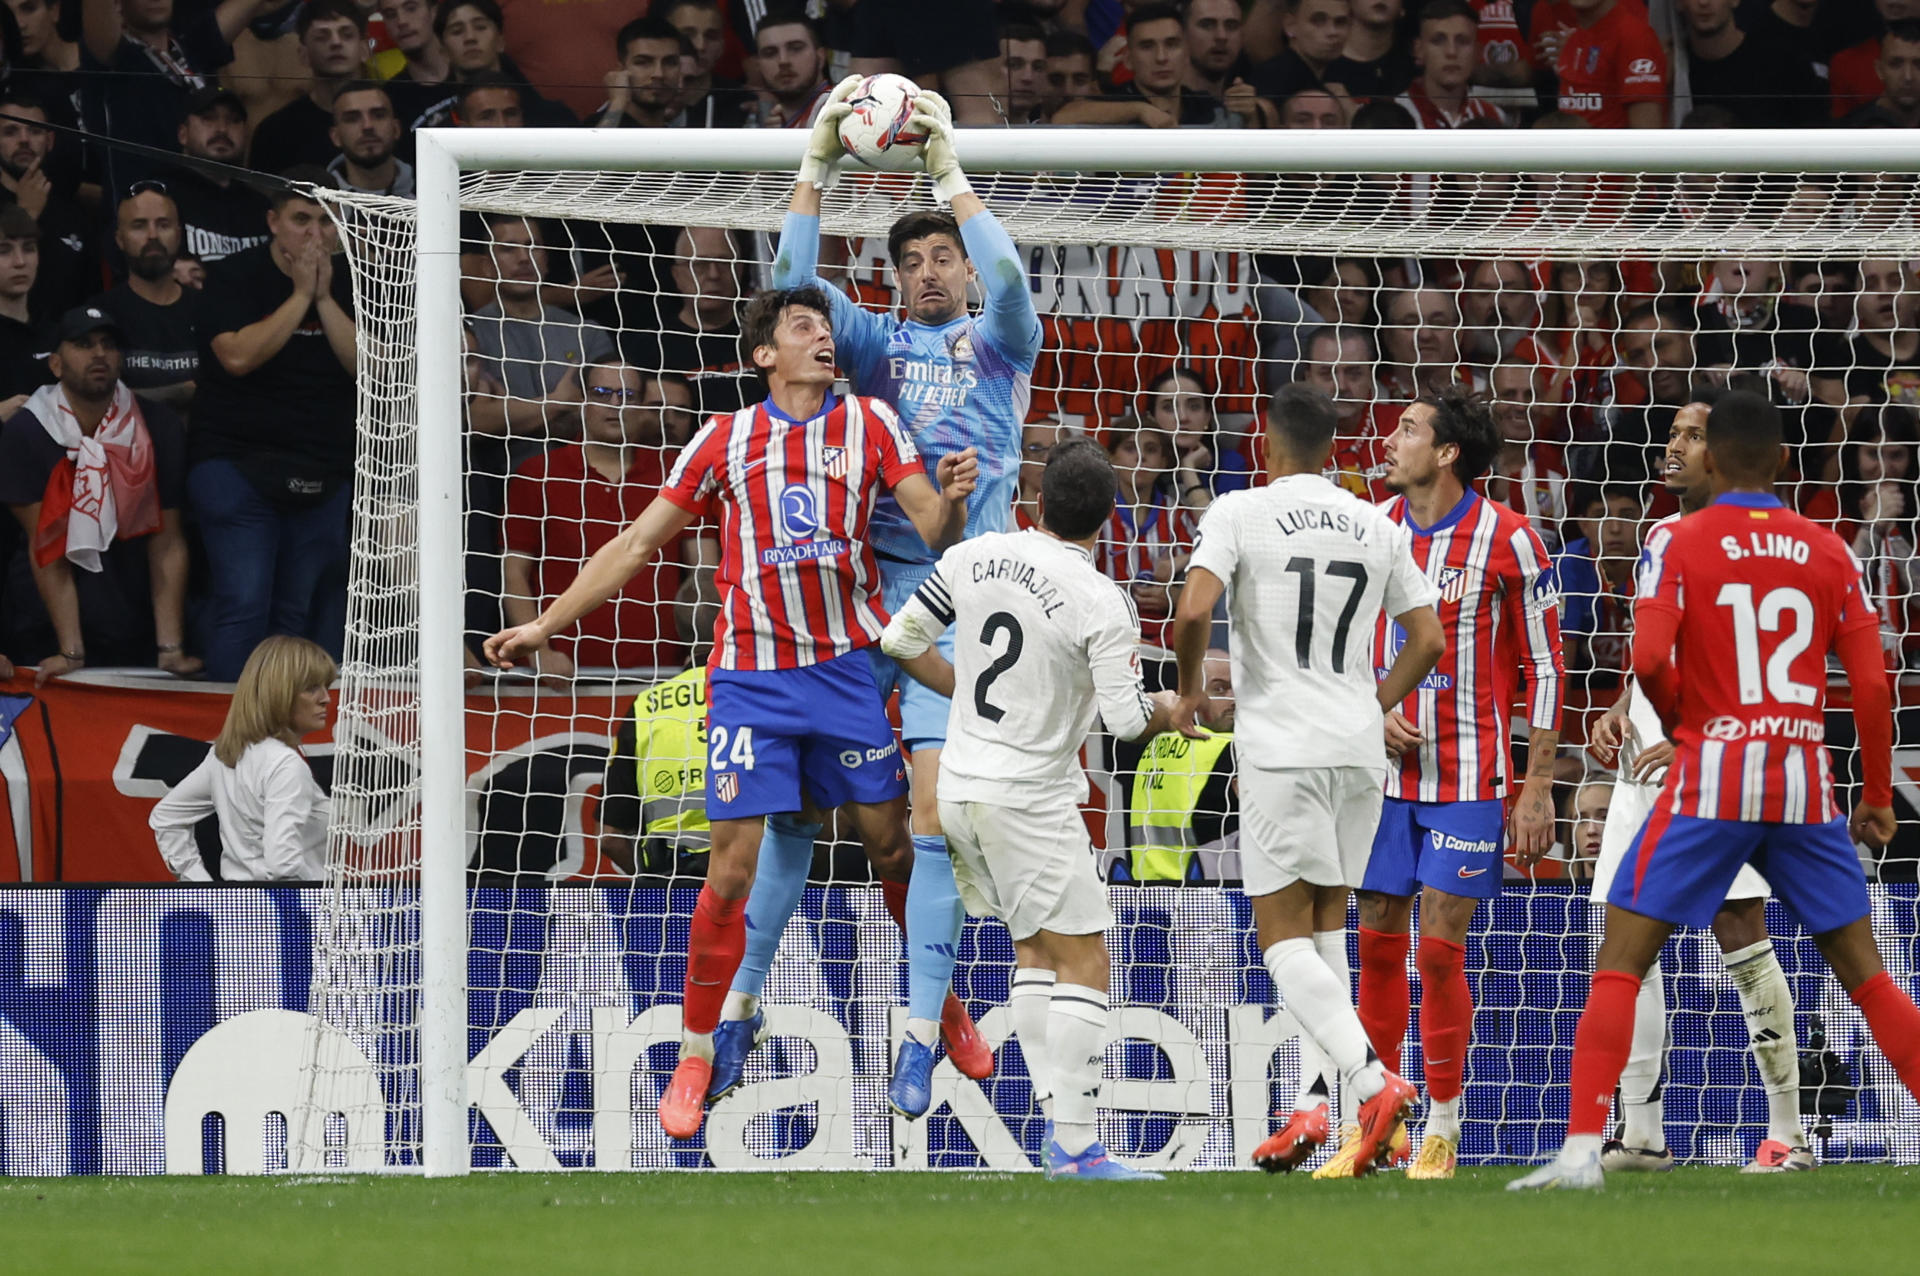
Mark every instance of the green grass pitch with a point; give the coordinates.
(1693, 1221)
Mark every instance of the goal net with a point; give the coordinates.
(515, 857)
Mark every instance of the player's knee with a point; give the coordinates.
(795, 824)
(1384, 913)
(1740, 923)
(1446, 916)
(1850, 951)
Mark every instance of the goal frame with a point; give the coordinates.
(443, 155)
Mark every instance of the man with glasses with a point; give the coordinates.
(563, 505)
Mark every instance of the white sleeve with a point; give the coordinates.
(1216, 544)
(1113, 656)
(1407, 586)
(172, 821)
(288, 797)
(919, 624)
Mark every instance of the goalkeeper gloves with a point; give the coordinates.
(932, 116)
(824, 147)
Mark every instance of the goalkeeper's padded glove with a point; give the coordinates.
(824, 147)
(932, 116)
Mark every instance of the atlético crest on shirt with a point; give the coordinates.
(726, 786)
(1453, 583)
(834, 461)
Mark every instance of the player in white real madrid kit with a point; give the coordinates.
(1308, 569)
(1041, 639)
(1632, 728)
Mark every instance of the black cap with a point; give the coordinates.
(208, 96)
(83, 321)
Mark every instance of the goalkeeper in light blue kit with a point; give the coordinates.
(958, 380)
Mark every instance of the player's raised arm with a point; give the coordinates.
(857, 331)
(1009, 316)
(910, 636)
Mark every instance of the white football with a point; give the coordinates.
(876, 132)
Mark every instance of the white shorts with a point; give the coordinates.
(1627, 813)
(1033, 869)
(1307, 824)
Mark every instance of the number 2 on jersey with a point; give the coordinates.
(1000, 621)
(1344, 569)
(1773, 614)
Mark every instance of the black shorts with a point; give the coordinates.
(926, 38)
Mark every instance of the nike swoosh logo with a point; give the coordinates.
(1472, 872)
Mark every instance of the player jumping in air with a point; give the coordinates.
(1309, 570)
(1443, 825)
(1042, 639)
(791, 694)
(1632, 729)
(1736, 609)
(960, 382)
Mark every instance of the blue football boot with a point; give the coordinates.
(911, 1091)
(733, 1041)
(1094, 1163)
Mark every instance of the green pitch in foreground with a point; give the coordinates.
(1864, 1219)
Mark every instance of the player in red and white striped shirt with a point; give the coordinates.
(794, 712)
(1444, 822)
(1745, 599)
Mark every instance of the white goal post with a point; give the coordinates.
(1653, 196)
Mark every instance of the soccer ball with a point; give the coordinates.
(876, 131)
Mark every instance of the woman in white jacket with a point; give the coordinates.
(273, 815)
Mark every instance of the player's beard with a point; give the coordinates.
(152, 264)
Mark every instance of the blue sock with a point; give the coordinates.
(934, 919)
(786, 853)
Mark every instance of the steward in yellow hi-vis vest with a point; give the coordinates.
(1181, 799)
(653, 813)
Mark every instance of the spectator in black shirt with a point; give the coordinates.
(1214, 57)
(1070, 75)
(1158, 95)
(155, 313)
(696, 331)
(49, 64)
(1315, 56)
(644, 90)
(367, 133)
(489, 99)
(154, 66)
(69, 266)
(273, 435)
(24, 337)
(1023, 54)
(218, 216)
(1898, 105)
(474, 33)
(1381, 59)
(423, 90)
(101, 581)
(709, 100)
(333, 44)
(1765, 85)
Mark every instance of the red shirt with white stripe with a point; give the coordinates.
(797, 579)
(1135, 538)
(1501, 616)
(1761, 594)
(1428, 113)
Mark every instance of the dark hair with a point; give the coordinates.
(1744, 436)
(1381, 113)
(1587, 495)
(790, 16)
(651, 27)
(1905, 30)
(763, 313)
(297, 176)
(365, 86)
(1878, 425)
(1705, 392)
(650, 377)
(1077, 489)
(17, 223)
(1460, 417)
(491, 80)
(16, 99)
(674, 6)
(920, 224)
(1067, 44)
(321, 10)
(488, 10)
(1441, 10)
(1025, 32)
(1155, 13)
(1302, 422)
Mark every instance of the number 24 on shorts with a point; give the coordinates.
(740, 755)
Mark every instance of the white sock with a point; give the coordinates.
(1027, 1005)
(1580, 1147)
(738, 1006)
(1443, 1119)
(696, 1043)
(1318, 1077)
(1767, 1003)
(1325, 1012)
(1642, 1112)
(925, 1031)
(1076, 1062)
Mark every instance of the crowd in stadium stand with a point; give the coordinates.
(182, 336)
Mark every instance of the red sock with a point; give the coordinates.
(1600, 1049)
(715, 945)
(895, 895)
(1384, 996)
(1895, 1024)
(1446, 1014)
